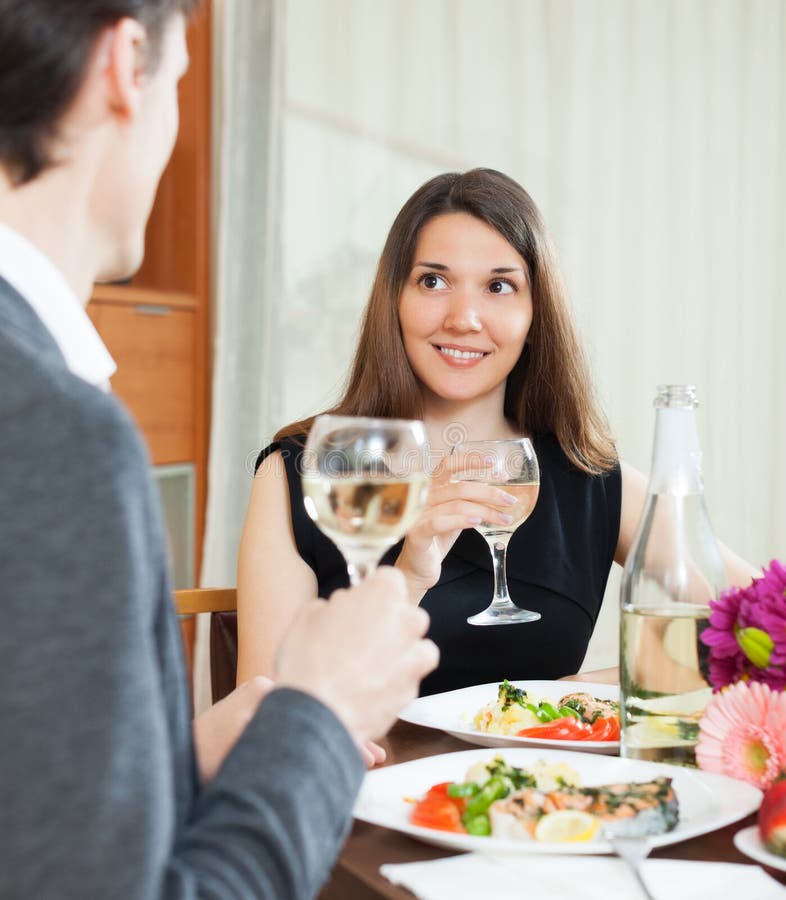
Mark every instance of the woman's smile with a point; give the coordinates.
(462, 357)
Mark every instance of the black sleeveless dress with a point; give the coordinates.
(558, 564)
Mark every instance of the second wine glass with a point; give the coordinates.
(365, 483)
(513, 466)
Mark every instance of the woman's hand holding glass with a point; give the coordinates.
(452, 506)
(514, 467)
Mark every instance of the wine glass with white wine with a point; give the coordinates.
(365, 483)
(513, 466)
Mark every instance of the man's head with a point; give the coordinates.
(88, 103)
(45, 48)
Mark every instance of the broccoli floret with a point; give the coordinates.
(575, 703)
(514, 778)
(509, 694)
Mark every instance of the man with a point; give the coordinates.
(99, 791)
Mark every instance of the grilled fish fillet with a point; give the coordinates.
(637, 809)
(589, 706)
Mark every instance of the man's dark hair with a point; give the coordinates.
(44, 49)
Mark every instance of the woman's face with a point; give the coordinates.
(465, 309)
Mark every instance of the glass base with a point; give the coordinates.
(503, 615)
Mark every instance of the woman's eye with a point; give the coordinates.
(432, 282)
(501, 287)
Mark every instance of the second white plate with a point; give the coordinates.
(453, 712)
(749, 842)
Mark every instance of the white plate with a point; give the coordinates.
(748, 842)
(453, 712)
(706, 801)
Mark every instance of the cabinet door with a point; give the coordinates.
(154, 348)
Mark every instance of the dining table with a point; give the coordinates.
(356, 874)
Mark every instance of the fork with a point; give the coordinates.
(633, 851)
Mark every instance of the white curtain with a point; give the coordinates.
(652, 134)
(246, 99)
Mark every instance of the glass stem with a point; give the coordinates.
(499, 550)
(359, 569)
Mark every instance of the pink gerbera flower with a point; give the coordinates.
(743, 733)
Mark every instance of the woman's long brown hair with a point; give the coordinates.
(549, 389)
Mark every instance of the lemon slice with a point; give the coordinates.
(687, 705)
(655, 733)
(566, 825)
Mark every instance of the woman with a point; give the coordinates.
(467, 328)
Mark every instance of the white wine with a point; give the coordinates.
(364, 484)
(663, 682)
(526, 497)
(365, 512)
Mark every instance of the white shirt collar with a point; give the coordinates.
(44, 287)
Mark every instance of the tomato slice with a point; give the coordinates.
(437, 810)
(606, 729)
(571, 729)
(567, 729)
(439, 790)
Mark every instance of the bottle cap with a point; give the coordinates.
(676, 396)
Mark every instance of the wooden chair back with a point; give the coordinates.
(221, 603)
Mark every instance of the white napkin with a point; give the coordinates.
(476, 875)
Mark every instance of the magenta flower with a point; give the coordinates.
(726, 670)
(772, 610)
(723, 619)
(726, 659)
(747, 632)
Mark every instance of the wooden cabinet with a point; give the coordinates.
(153, 345)
(156, 326)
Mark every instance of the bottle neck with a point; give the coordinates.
(676, 455)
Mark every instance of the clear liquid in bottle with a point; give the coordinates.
(672, 572)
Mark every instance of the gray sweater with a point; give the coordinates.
(99, 796)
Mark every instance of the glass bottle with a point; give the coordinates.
(673, 570)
